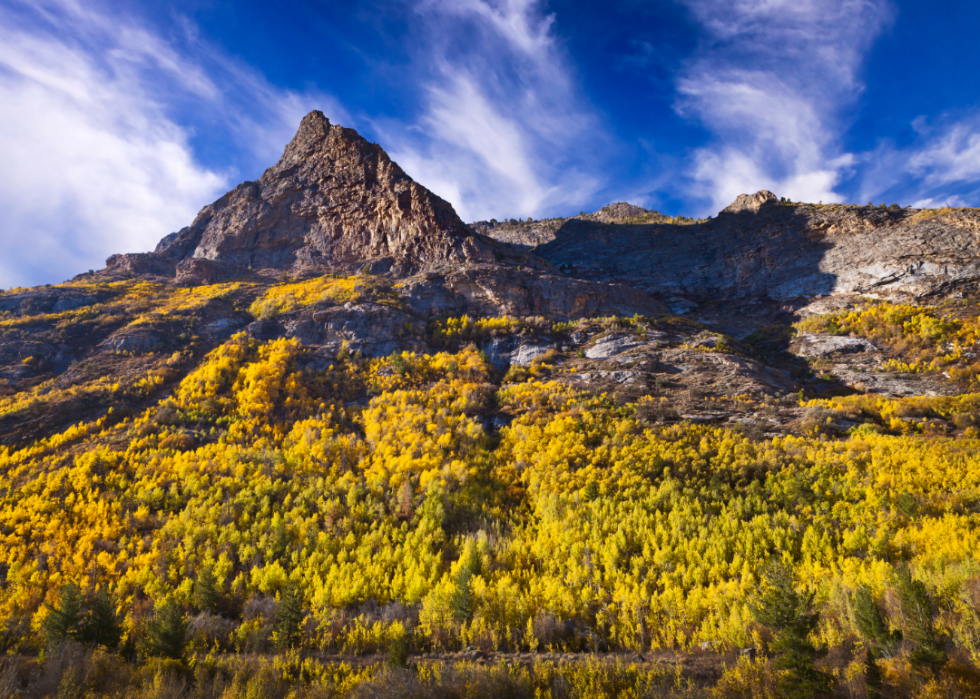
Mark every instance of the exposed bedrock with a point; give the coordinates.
(759, 246)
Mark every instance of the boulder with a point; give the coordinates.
(527, 353)
(611, 346)
(818, 345)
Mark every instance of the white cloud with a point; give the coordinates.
(94, 160)
(940, 167)
(938, 202)
(769, 83)
(503, 130)
(949, 155)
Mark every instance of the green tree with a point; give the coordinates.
(462, 602)
(167, 630)
(289, 617)
(101, 625)
(64, 619)
(879, 638)
(873, 680)
(871, 623)
(397, 645)
(791, 616)
(206, 595)
(917, 608)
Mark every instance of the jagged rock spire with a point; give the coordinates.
(333, 199)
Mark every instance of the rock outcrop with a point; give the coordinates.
(761, 247)
(750, 202)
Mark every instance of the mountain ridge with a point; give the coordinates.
(336, 202)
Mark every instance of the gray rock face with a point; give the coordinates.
(42, 300)
(725, 372)
(892, 383)
(760, 247)
(493, 290)
(616, 377)
(620, 211)
(199, 270)
(679, 305)
(73, 302)
(529, 234)
(499, 349)
(372, 330)
(750, 202)
(142, 264)
(222, 327)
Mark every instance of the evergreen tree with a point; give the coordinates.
(919, 616)
(461, 602)
(206, 590)
(101, 625)
(871, 623)
(790, 614)
(64, 620)
(289, 617)
(880, 640)
(873, 681)
(167, 631)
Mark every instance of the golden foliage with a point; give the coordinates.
(377, 482)
(288, 297)
(925, 338)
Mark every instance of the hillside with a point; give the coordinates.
(329, 426)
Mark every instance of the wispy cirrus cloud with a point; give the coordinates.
(97, 159)
(939, 167)
(769, 82)
(946, 162)
(503, 129)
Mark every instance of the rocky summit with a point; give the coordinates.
(333, 201)
(331, 420)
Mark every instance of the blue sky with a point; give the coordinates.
(120, 120)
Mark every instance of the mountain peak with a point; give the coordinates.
(312, 122)
(333, 200)
(313, 129)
